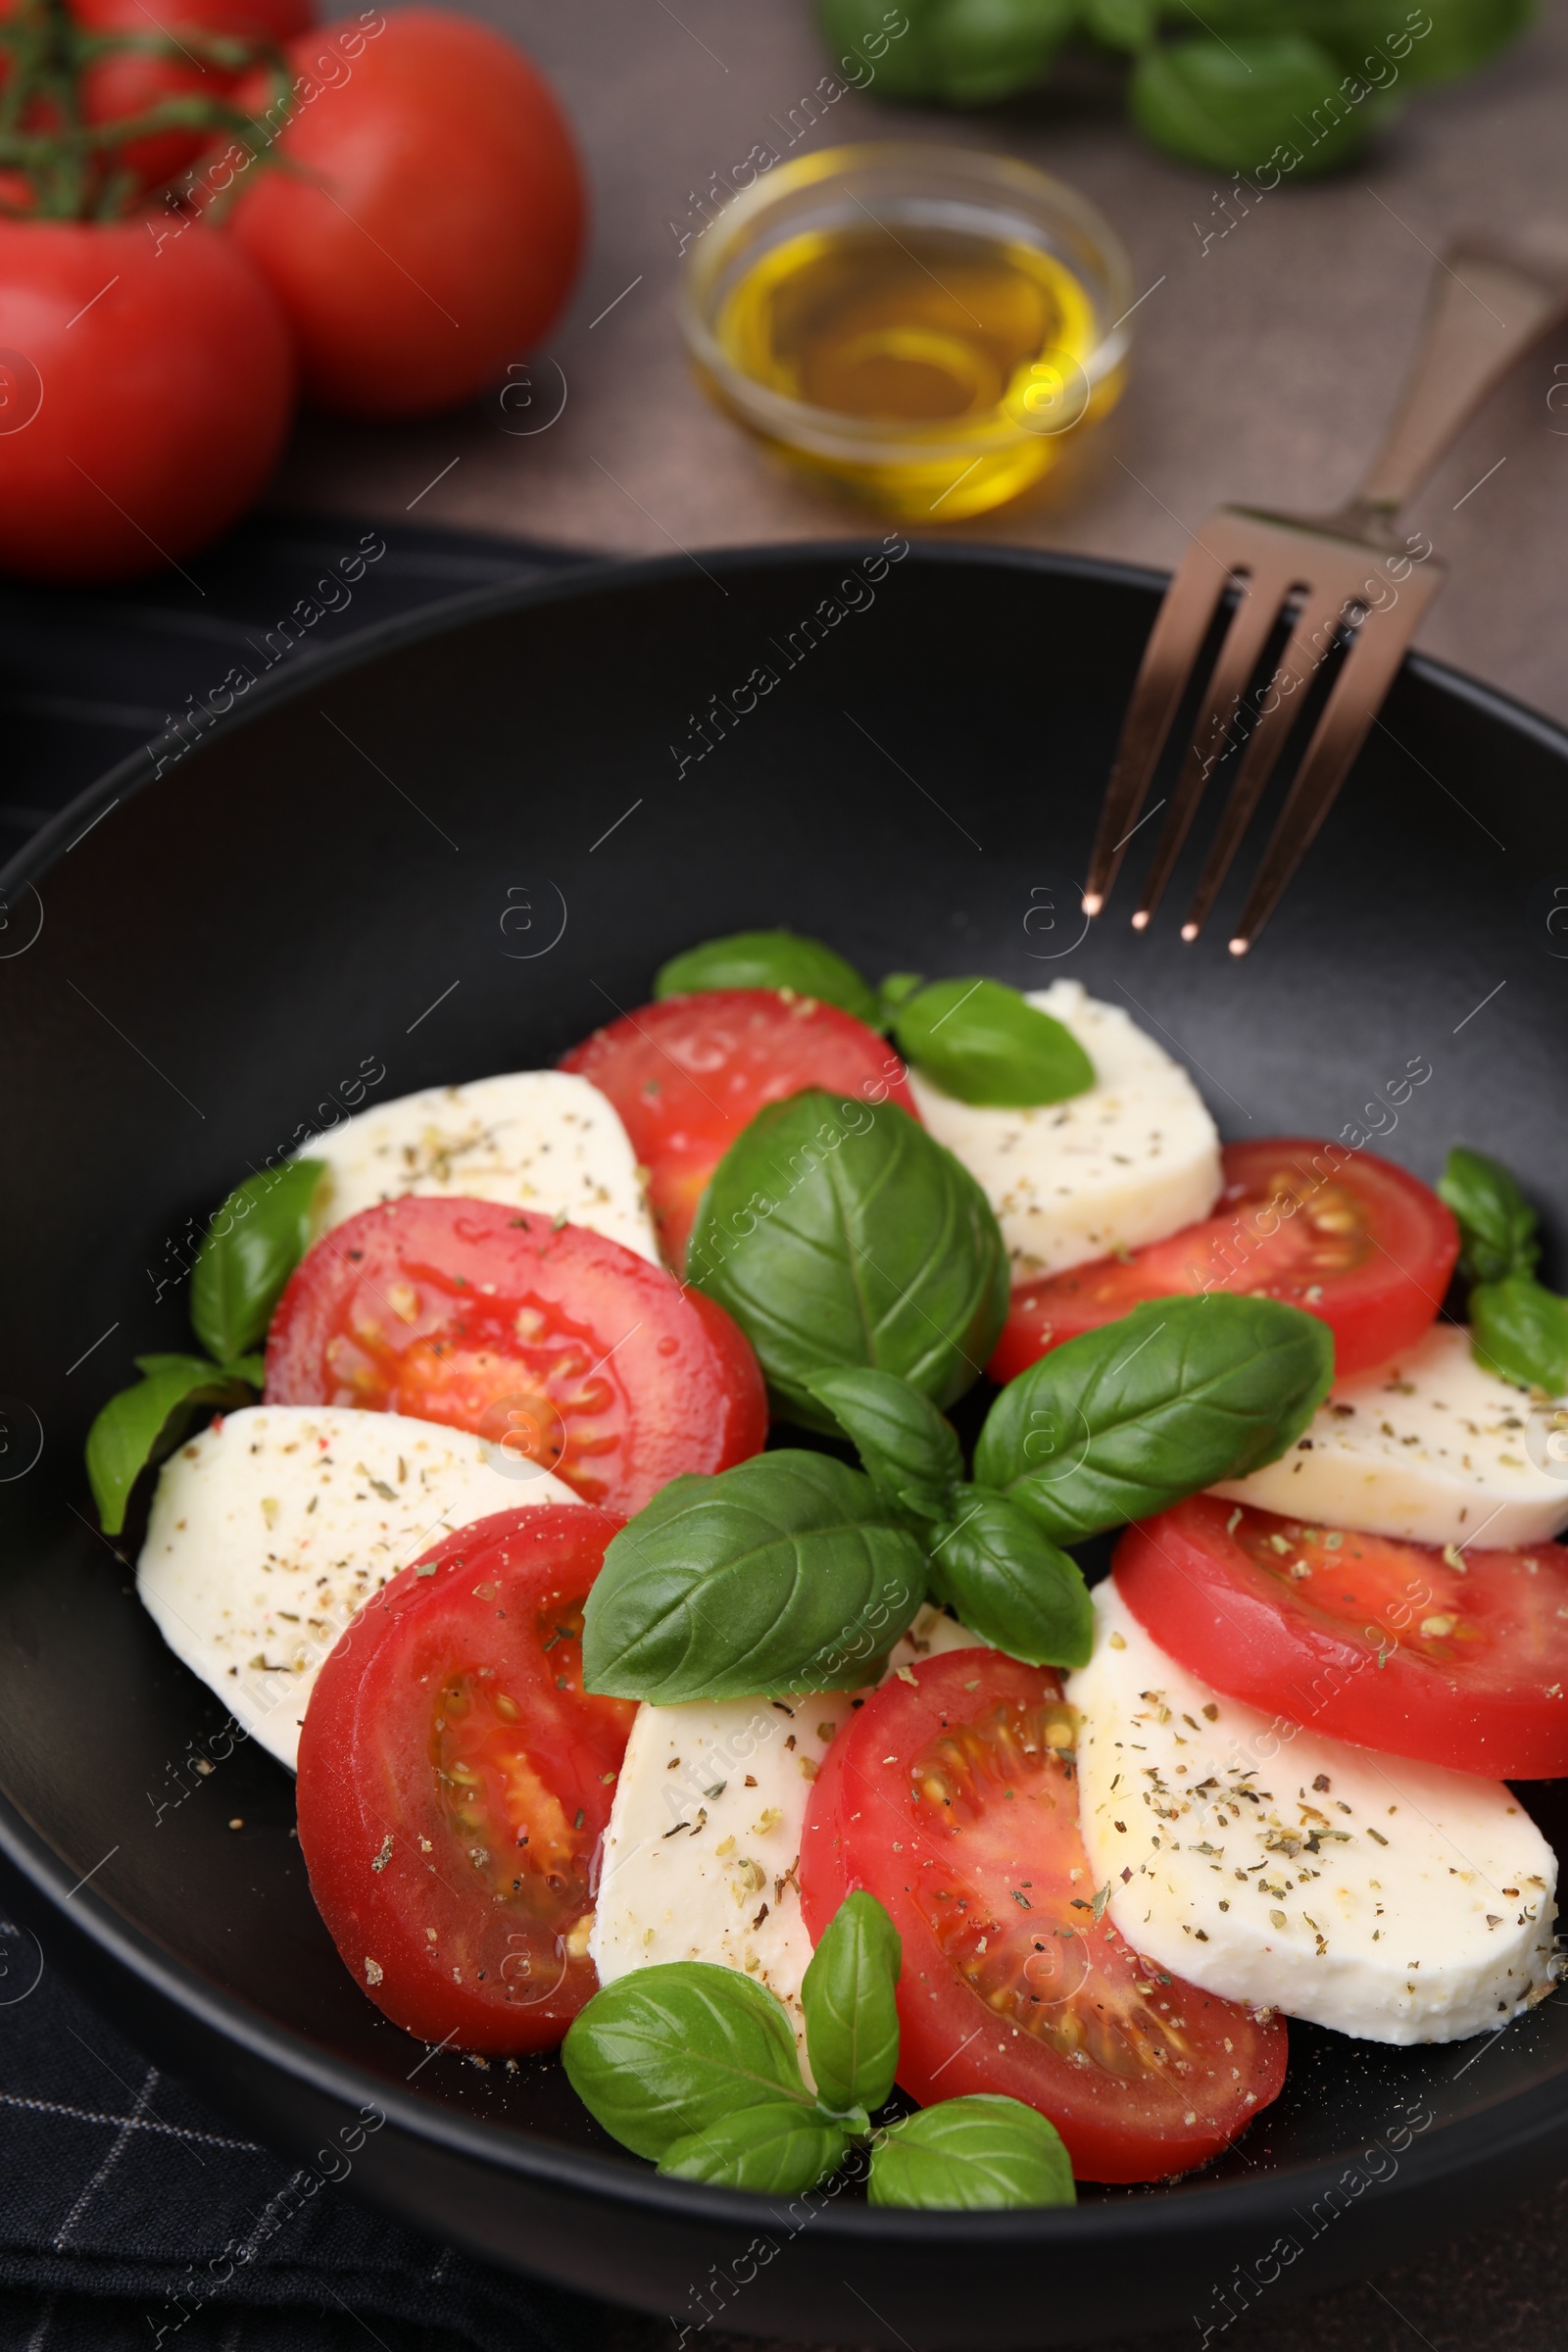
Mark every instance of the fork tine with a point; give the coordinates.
(1239, 657)
(1174, 644)
(1318, 615)
(1370, 666)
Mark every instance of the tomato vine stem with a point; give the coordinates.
(57, 166)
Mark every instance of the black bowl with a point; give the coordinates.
(455, 851)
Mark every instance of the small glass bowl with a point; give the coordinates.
(935, 468)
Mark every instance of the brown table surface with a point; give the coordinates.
(1265, 369)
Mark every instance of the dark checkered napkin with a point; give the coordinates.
(131, 2215)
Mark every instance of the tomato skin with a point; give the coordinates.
(164, 406)
(623, 1379)
(383, 1841)
(439, 220)
(1261, 1238)
(240, 19)
(876, 1823)
(1474, 1698)
(688, 1073)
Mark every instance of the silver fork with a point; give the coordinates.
(1343, 578)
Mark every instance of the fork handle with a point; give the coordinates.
(1484, 313)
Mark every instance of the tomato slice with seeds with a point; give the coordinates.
(688, 1073)
(1352, 1239)
(1455, 1657)
(565, 1350)
(455, 1782)
(952, 1796)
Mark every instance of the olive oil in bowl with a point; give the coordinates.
(921, 327)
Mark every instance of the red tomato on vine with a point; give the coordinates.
(144, 395)
(432, 219)
(171, 60)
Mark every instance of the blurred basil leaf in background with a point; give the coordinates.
(1251, 103)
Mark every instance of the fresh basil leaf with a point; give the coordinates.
(142, 1426)
(837, 1234)
(1520, 1330)
(1251, 101)
(1496, 1223)
(1010, 1583)
(851, 2016)
(953, 52)
(979, 52)
(1128, 24)
(895, 988)
(778, 1575)
(908, 1450)
(254, 1242)
(902, 67)
(770, 959)
(1460, 35)
(665, 2053)
(983, 1043)
(1128, 1419)
(251, 1368)
(779, 2150)
(971, 2154)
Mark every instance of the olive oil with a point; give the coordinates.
(958, 355)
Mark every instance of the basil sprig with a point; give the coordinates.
(793, 1572)
(781, 1574)
(1127, 1419)
(971, 2154)
(840, 1234)
(695, 2066)
(1008, 1580)
(1497, 1237)
(978, 1040)
(908, 1450)
(1519, 1329)
(986, 1042)
(252, 1245)
(1009, 1583)
(1256, 88)
(770, 959)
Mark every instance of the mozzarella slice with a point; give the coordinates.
(542, 1140)
(701, 1855)
(268, 1529)
(1135, 1158)
(1388, 1899)
(1429, 1447)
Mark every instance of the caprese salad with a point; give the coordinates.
(799, 1784)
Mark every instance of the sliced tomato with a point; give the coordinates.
(687, 1074)
(1351, 1239)
(1458, 1658)
(952, 1797)
(455, 1782)
(565, 1350)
